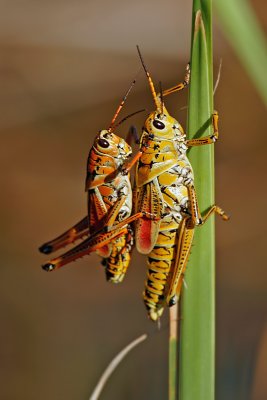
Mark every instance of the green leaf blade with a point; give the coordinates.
(197, 360)
(240, 26)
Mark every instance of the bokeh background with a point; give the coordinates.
(64, 68)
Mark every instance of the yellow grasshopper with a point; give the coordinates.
(165, 189)
(107, 227)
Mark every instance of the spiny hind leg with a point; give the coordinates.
(78, 231)
(94, 242)
(175, 279)
(185, 239)
(207, 139)
(89, 245)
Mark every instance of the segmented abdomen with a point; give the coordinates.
(160, 261)
(118, 261)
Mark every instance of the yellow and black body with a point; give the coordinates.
(163, 173)
(164, 187)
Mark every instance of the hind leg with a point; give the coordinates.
(77, 231)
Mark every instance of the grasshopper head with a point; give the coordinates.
(110, 144)
(163, 126)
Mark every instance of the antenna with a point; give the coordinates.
(151, 84)
(128, 116)
(161, 97)
(111, 126)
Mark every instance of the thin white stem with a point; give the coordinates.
(218, 77)
(113, 365)
(173, 356)
(173, 321)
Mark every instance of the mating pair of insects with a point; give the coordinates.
(165, 210)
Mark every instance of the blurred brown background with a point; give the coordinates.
(64, 68)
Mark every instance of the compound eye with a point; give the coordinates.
(158, 124)
(103, 143)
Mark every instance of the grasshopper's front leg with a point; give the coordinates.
(207, 139)
(196, 217)
(179, 86)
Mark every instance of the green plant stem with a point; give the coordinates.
(197, 351)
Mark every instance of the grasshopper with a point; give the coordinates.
(107, 227)
(165, 188)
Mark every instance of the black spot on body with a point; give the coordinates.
(92, 175)
(104, 262)
(141, 164)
